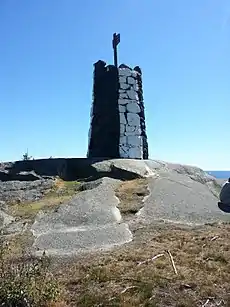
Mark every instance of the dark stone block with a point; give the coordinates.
(124, 66)
(105, 125)
(142, 114)
(137, 68)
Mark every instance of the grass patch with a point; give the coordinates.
(131, 194)
(65, 187)
(27, 282)
(19, 243)
(62, 191)
(130, 276)
(30, 210)
(127, 276)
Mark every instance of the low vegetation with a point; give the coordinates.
(26, 156)
(27, 282)
(131, 194)
(61, 192)
(165, 265)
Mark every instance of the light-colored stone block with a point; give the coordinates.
(121, 91)
(134, 140)
(122, 129)
(134, 73)
(133, 107)
(134, 101)
(123, 101)
(131, 80)
(123, 80)
(131, 133)
(122, 108)
(132, 94)
(125, 72)
(124, 86)
(124, 151)
(130, 128)
(135, 153)
(135, 87)
(123, 95)
(123, 119)
(136, 131)
(133, 119)
(123, 140)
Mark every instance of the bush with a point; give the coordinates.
(26, 156)
(27, 282)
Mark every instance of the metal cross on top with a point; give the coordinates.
(116, 41)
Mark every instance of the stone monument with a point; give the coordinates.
(117, 127)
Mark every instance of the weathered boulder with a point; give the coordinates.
(127, 169)
(193, 172)
(180, 198)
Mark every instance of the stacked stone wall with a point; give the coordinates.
(133, 138)
(117, 124)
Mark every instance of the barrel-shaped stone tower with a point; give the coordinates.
(117, 125)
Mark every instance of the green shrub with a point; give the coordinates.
(26, 282)
(26, 156)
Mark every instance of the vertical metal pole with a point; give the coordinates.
(115, 56)
(115, 49)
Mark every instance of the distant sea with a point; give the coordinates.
(219, 174)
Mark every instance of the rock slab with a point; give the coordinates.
(182, 198)
(89, 221)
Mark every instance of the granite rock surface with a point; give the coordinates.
(91, 219)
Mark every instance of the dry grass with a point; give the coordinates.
(19, 243)
(66, 187)
(127, 276)
(131, 194)
(30, 210)
(131, 275)
(27, 282)
(26, 212)
(62, 191)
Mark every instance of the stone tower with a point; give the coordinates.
(117, 127)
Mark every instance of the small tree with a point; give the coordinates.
(26, 156)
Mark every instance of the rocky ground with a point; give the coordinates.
(137, 233)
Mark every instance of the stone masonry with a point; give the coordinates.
(117, 128)
(104, 127)
(133, 139)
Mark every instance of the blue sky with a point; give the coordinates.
(47, 52)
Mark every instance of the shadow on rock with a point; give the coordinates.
(81, 169)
